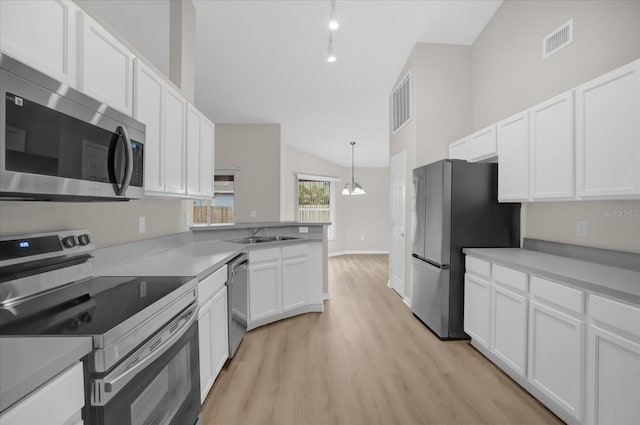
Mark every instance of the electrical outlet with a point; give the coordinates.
(253, 214)
(189, 220)
(581, 228)
(142, 224)
(303, 230)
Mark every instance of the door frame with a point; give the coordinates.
(399, 162)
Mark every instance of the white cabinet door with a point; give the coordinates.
(509, 341)
(194, 121)
(264, 290)
(58, 402)
(614, 379)
(482, 144)
(477, 309)
(207, 143)
(41, 34)
(205, 341)
(513, 158)
(174, 143)
(552, 153)
(220, 332)
(105, 66)
(148, 101)
(556, 356)
(295, 282)
(459, 149)
(608, 135)
(316, 273)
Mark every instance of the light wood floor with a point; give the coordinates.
(365, 360)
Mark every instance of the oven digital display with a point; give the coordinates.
(17, 248)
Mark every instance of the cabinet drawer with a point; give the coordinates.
(259, 255)
(212, 284)
(56, 402)
(511, 278)
(616, 314)
(294, 251)
(563, 296)
(479, 267)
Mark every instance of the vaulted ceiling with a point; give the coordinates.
(265, 61)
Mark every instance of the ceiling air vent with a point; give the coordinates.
(401, 103)
(558, 39)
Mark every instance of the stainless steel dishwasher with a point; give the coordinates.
(237, 286)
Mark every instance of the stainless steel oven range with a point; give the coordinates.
(143, 369)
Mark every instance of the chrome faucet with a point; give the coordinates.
(255, 230)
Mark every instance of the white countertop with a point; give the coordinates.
(197, 259)
(616, 282)
(28, 362)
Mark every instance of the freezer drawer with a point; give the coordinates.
(430, 299)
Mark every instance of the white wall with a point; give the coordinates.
(110, 223)
(509, 75)
(441, 97)
(255, 150)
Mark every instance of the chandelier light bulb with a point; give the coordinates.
(333, 18)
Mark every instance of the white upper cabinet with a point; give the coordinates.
(200, 143)
(513, 154)
(552, 140)
(608, 135)
(207, 143)
(148, 101)
(194, 122)
(105, 66)
(41, 34)
(483, 144)
(174, 142)
(459, 149)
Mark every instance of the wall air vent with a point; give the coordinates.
(401, 103)
(558, 39)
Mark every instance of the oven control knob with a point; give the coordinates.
(69, 242)
(73, 324)
(84, 239)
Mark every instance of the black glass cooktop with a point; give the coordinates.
(90, 307)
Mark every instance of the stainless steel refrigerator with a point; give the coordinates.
(456, 206)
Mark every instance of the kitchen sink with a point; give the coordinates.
(264, 239)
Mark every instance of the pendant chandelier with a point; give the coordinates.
(354, 188)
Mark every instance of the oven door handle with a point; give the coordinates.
(103, 390)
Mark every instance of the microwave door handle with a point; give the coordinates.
(103, 390)
(128, 161)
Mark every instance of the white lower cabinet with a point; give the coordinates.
(556, 356)
(212, 328)
(284, 281)
(613, 364)
(477, 308)
(58, 402)
(509, 328)
(295, 275)
(264, 284)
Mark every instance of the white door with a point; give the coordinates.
(398, 169)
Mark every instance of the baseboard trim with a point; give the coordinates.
(357, 252)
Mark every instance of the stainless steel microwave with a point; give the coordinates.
(59, 144)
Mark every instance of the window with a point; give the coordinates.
(220, 210)
(317, 200)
